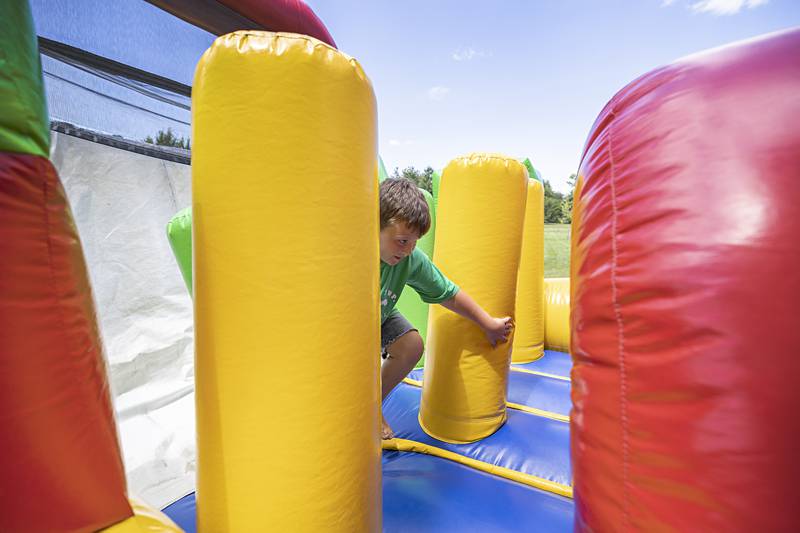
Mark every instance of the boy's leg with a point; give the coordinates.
(401, 356)
(402, 347)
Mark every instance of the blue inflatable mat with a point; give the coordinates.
(557, 363)
(182, 512)
(423, 493)
(526, 443)
(541, 392)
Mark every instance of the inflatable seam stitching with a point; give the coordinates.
(623, 385)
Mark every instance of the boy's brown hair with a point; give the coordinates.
(402, 201)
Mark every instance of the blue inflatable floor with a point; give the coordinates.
(526, 443)
(557, 363)
(423, 493)
(542, 392)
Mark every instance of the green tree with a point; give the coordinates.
(422, 178)
(552, 204)
(566, 203)
(168, 138)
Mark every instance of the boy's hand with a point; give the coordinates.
(498, 330)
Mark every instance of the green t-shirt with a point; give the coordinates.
(421, 274)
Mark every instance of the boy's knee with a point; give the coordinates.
(408, 346)
(417, 345)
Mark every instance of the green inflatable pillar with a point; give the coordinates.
(179, 233)
(382, 174)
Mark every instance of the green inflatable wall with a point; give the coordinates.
(436, 180)
(410, 304)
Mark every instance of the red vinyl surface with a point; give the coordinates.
(685, 292)
(60, 466)
(225, 16)
(283, 15)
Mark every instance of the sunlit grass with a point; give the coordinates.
(556, 250)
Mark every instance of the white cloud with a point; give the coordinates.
(398, 142)
(468, 54)
(666, 3)
(438, 93)
(725, 7)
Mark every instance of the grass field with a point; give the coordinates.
(556, 250)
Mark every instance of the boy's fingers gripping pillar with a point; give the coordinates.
(481, 210)
(286, 287)
(529, 335)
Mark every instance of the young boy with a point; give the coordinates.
(404, 219)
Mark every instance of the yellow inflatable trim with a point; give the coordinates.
(538, 412)
(536, 373)
(404, 445)
(145, 519)
(518, 406)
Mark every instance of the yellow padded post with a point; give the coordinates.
(480, 217)
(556, 314)
(529, 331)
(285, 206)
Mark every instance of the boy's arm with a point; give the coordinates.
(497, 330)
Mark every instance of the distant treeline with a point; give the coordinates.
(557, 206)
(168, 138)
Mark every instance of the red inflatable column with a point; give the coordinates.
(685, 293)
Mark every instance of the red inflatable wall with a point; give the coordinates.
(226, 16)
(685, 293)
(60, 464)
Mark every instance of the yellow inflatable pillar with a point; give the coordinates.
(480, 218)
(556, 314)
(285, 207)
(145, 519)
(529, 333)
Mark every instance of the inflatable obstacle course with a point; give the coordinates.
(674, 411)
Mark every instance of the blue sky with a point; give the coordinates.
(522, 77)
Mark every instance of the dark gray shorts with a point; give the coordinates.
(392, 329)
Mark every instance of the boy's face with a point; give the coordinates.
(397, 241)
